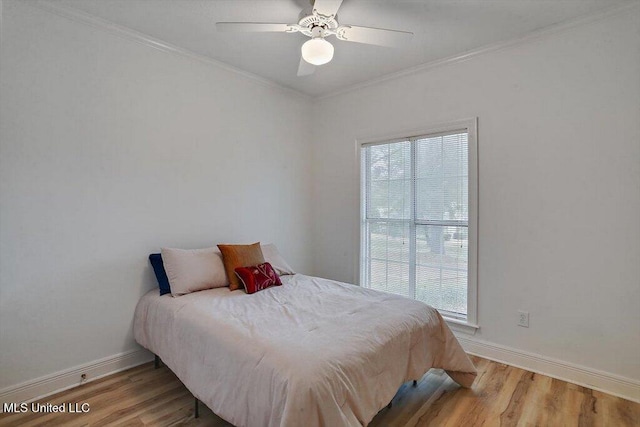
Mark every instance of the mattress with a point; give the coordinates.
(312, 352)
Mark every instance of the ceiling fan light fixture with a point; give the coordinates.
(317, 51)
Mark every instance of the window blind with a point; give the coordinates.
(415, 219)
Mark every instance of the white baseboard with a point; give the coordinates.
(69, 378)
(576, 374)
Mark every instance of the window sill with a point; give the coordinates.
(463, 326)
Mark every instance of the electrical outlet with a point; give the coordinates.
(523, 318)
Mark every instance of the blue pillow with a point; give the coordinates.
(161, 275)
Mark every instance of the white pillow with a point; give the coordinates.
(273, 257)
(190, 270)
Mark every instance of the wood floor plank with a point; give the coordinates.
(501, 396)
(535, 400)
(480, 400)
(512, 414)
(587, 409)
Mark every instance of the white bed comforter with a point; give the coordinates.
(313, 352)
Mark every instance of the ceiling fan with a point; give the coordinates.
(318, 24)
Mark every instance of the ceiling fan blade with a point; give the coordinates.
(252, 27)
(327, 7)
(377, 36)
(305, 69)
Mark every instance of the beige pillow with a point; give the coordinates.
(235, 256)
(190, 270)
(273, 257)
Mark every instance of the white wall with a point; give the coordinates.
(110, 149)
(559, 166)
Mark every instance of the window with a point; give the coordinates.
(418, 218)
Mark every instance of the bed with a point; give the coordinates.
(312, 352)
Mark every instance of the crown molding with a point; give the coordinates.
(155, 43)
(149, 41)
(529, 37)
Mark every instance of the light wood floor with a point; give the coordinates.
(501, 396)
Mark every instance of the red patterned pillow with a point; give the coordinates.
(257, 278)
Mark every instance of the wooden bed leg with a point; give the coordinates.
(156, 362)
(415, 383)
(196, 408)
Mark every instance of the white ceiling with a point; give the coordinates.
(442, 28)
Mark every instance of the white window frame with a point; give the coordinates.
(470, 324)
